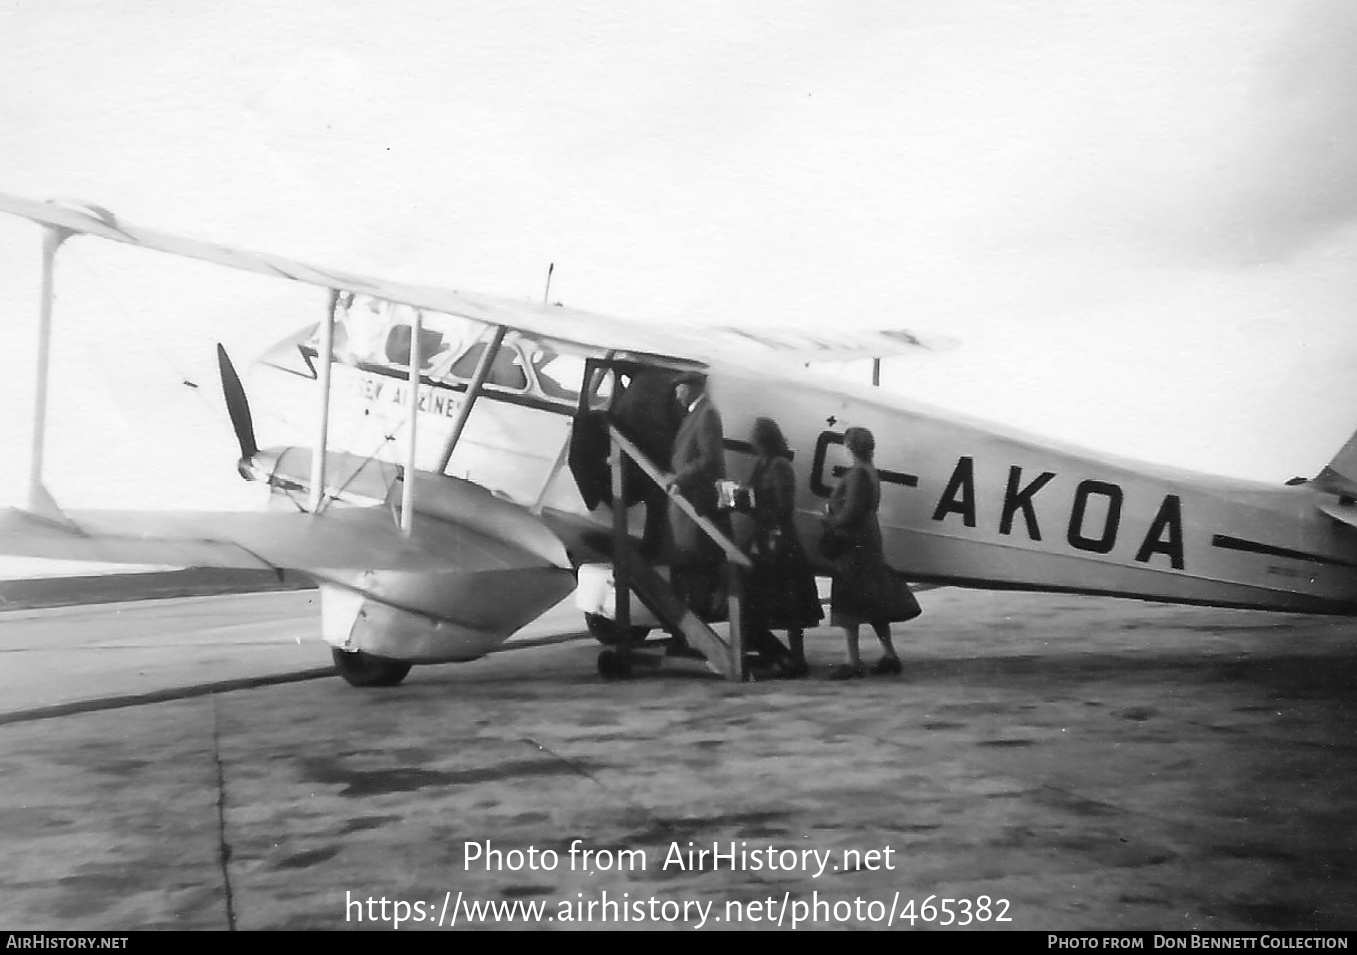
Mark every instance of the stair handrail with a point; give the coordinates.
(663, 479)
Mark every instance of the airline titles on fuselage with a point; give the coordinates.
(375, 389)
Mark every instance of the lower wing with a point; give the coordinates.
(341, 538)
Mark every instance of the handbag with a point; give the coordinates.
(771, 546)
(734, 496)
(832, 544)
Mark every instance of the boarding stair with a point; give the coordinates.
(743, 654)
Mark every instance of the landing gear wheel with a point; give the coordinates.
(363, 669)
(605, 631)
(613, 665)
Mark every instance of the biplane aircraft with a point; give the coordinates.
(455, 480)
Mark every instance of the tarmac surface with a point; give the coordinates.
(1061, 762)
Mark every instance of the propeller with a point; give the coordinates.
(237, 406)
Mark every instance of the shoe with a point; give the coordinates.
(759, 672)
(846, 671)
(796, 670)
(887, 666)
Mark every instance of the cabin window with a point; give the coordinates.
(398, 344)
(506, 371)
(373, 332)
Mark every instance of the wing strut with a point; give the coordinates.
(473, 391)
(39, 501)
(327, 354)
(408, 490)
(562, 459)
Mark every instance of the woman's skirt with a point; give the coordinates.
(781, 594)
(871, 594)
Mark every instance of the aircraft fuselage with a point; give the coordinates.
(963, 502)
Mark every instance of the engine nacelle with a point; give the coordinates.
(438, 617)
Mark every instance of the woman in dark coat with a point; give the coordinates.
(781, 592)
(865, 589)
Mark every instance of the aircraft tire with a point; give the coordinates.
(605, 632)
(365, 670)
(613, 665)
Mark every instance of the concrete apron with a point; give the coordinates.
(1097, 764)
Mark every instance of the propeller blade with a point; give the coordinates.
(237, 405)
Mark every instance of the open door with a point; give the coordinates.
(640, 401)
(589, 438)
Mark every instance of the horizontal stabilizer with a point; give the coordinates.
(1343, 513)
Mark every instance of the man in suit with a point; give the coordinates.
(698, 462)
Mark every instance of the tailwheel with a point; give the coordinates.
(605, 631)
(613, 665)
(363, 669)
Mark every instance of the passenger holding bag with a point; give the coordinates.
(698, 463)
(865, 589)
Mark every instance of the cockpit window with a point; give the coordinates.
(370, 331)
(361, 329)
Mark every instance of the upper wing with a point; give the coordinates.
(826, 343)
(596, 332)
(591, 331)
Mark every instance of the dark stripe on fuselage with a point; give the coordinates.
(1313, 604)
(890, 477)
(822, 445)
(744, 447)
(1226, 542)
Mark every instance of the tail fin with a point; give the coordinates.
(1339, 476)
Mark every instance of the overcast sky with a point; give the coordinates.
(1136, 219)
